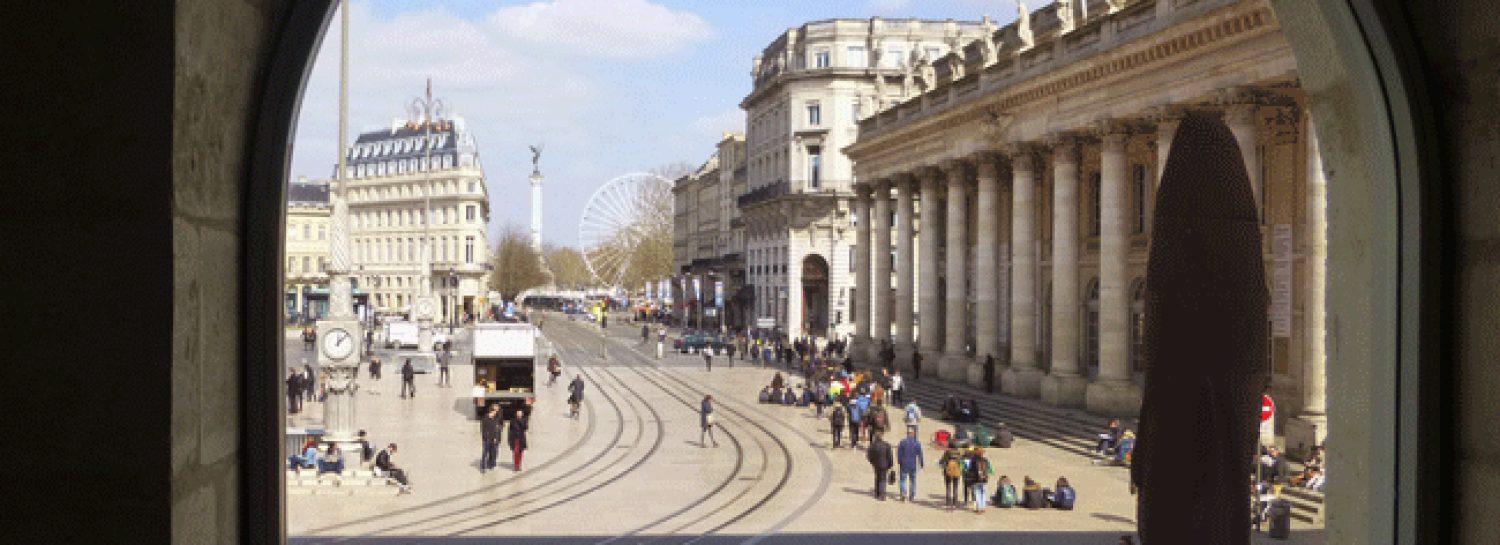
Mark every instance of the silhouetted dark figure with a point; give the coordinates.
(1205, 342)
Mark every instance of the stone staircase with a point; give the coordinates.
(353, 482)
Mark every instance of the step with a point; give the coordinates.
(1025, 425)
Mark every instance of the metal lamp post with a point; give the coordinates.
(428, 110)
(453, 298)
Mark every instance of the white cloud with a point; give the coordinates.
(886, 6)
(711, 128)
(603, 28)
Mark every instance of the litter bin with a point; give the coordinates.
(1280, 517)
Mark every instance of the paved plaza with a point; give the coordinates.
(631, 468)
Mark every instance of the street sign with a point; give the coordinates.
(1267, 420)
(1267, 408)
(765, 323)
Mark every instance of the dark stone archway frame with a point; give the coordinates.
(1404, 394)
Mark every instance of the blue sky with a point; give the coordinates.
(610, 86)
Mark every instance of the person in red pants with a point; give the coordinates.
(516, 435)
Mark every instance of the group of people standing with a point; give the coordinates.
(301, 386)
(515, 435)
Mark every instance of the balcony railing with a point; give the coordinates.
(762, 194)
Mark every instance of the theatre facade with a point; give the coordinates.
(1025, 178)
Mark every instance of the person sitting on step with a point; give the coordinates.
(332, 460)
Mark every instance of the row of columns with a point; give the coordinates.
(942, 326)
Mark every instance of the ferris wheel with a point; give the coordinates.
(629, 215)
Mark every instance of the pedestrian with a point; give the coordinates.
(916, 365)
(706, 416)
(909, 456)
(898, 388)
(516, 436)
(856, 420)
(293, 391)
(708, 359)
(989, 373)
(913, 416)
(952, 464)
(730, 348)
(979, 476)
(877, 420)
(645, 333)
(489, 434)
(387, 467)
(374, 368)
(443, 379)
(575, 395)
(554, 368)
(879, 456)
(408, 379)
(836, 419)
(309, 383)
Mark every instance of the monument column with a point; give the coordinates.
(1113, 392)
(905, 271)
(955, 362)
(930, 311)
(880, 255)
(1311, 424)
(1063, 385)
(1023, 378)
(986, 277)
(860, 346)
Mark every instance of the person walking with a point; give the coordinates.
(408, 379)
(554, 368)
(909, 456)
(979, 476)
(836, 419)
(309, 382)
(706, 419)
(916, 365)
(952, 464)
(989, 373)
(856, 419)
(516, 437)
(447, 354)
(898, 388)
(489, 434)
(877, 420)
(879, 456)
(913, 416)
(708, 358)
(293, 391)
(645, 334)
(575, 395)
(374, 375)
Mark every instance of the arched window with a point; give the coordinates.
(1091, 330)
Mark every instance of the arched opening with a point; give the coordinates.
(1380, 281)
(815, 295)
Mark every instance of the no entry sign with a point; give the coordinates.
(1267, 408)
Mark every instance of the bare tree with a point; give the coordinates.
(567, 266)
(516, 265)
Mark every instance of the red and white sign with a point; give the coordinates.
(1267, 408)
(1267, 422)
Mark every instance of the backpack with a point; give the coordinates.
(953, 469)
(979, 470)
(911, 415)
(1007, 495)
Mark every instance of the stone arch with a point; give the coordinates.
(815, 295)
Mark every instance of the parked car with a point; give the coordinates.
(692, 344)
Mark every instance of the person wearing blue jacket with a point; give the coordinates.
(857, 408)
(909, 458)
(1063, 497)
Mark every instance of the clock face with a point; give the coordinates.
(424, 308)
(338, 344)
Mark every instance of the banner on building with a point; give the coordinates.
(719, 293)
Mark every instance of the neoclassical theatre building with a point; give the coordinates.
(1025, 178)
(393, 175)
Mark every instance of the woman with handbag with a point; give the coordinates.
(707, 420)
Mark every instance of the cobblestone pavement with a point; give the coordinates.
(631, 469)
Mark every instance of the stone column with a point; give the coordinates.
(986, 277)
(905, 270)
(1064, 385)
(956, 361)
(1113, 393)
(930, 313)
(1023, 378)
(880, 255)
(1311, 425)
(1167, 119)
(1241, 120)
(860, 346)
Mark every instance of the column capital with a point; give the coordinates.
(954, 168)
(1059, 139)
(1166, 113)
(908, 183)
(1235, 96)
(863, 190)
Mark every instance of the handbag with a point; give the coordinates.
(890, 476)
(709, 420)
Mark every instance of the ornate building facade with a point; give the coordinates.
(708, 243)
(393, 174)
(307, 212)
(811, 87)
(1041, 156)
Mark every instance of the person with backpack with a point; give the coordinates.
(876, 418)
(1031, 495)
(953, 469)
(836, 419)
(913, 416)
(1005, 493)
(856, 419)
(575, 395)
(880, 459)
(554, 367)
(909, 457)
(978, 476)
